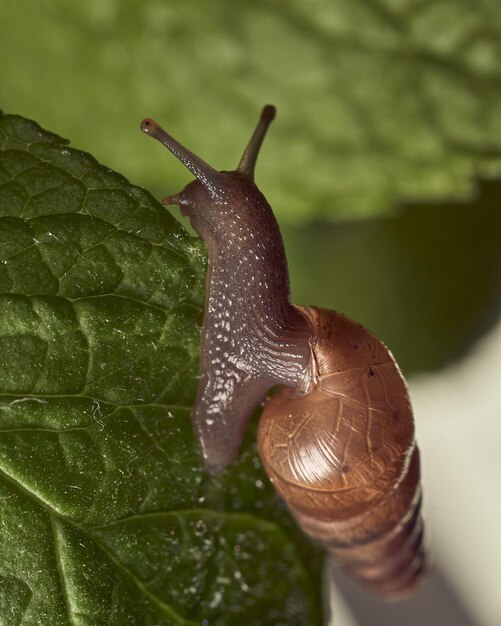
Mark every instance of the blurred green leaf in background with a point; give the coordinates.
(378, 100)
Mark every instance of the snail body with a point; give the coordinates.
(337, 439)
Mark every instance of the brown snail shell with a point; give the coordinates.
(344, 459)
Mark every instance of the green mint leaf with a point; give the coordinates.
(108, 516)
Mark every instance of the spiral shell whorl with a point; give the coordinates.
(344, 459)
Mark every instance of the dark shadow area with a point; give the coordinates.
(427, 280)
(434, 604)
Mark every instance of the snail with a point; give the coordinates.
(337, 438)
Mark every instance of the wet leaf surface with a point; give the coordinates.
(107, 514)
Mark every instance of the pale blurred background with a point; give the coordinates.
(458, 428)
